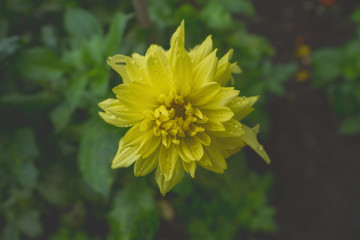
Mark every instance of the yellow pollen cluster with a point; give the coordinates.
(174, 119)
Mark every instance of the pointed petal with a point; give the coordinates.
(231, 145)
(190, 149)
(159, 69)
(117, 62)
(137, 96)
(242, 106)
(125, 156)
(204, 138)
(168, 159)
(190, 168)
(136, 68)
(204, 72)
(213, 126)
(178, 38)
(250, 138)
(233, 128)
(179, 58)
(144, 166)
(222, 114)
(203, 95)
(200, 52)
(166, 186)
(224, 96)
(213, 160)
(225, 69)
(119, 114)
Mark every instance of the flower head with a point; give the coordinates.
(180, 112)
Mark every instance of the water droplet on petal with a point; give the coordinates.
(111, 116)
(260, 148)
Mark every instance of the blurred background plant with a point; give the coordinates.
(337, 72)
(55, 176)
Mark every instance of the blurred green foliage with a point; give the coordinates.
(55, 176)
(337, 72)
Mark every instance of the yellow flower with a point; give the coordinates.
(180, 112)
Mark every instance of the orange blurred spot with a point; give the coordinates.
(302, 75)
(300, 40)
(327, 3)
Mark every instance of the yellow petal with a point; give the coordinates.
(117, 108)
(249, 138)
(125, 156)
(224, 96)
(204, 138)
(136, 68)
(204, 72)
(212, 159)
(204, 94)
(190, 168)
(159, 70)
(216, 157)
(144, 166)
(232, 129)
(116, 121)
(231, 145)
(117, 62)
(136, 96)
(179, 58)
(200, 52)
(166, 185)
(145, 141)
(223, 71)
(190, 149)
(222, 114)
(149, 143)
(242, 106)
(178, 38)
(168, 159)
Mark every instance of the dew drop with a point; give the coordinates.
(236, 126)
(111, 116)
(260, 147)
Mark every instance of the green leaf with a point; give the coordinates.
(350, 126)
(99, 81)
(239, 6)
(81, 25)
(41, 64)
(327, 65)
(216, 16)
(29, 223)
(8, 46)
(41, 99)
(49, 37)
(10, 232)
(356, 16)
(23, 153)
(94, 51)
(27, 174)
(61, 115)
(98, 146)
(133, 215)
(278, 75)
(116, 30)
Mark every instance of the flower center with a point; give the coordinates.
(174, 119)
